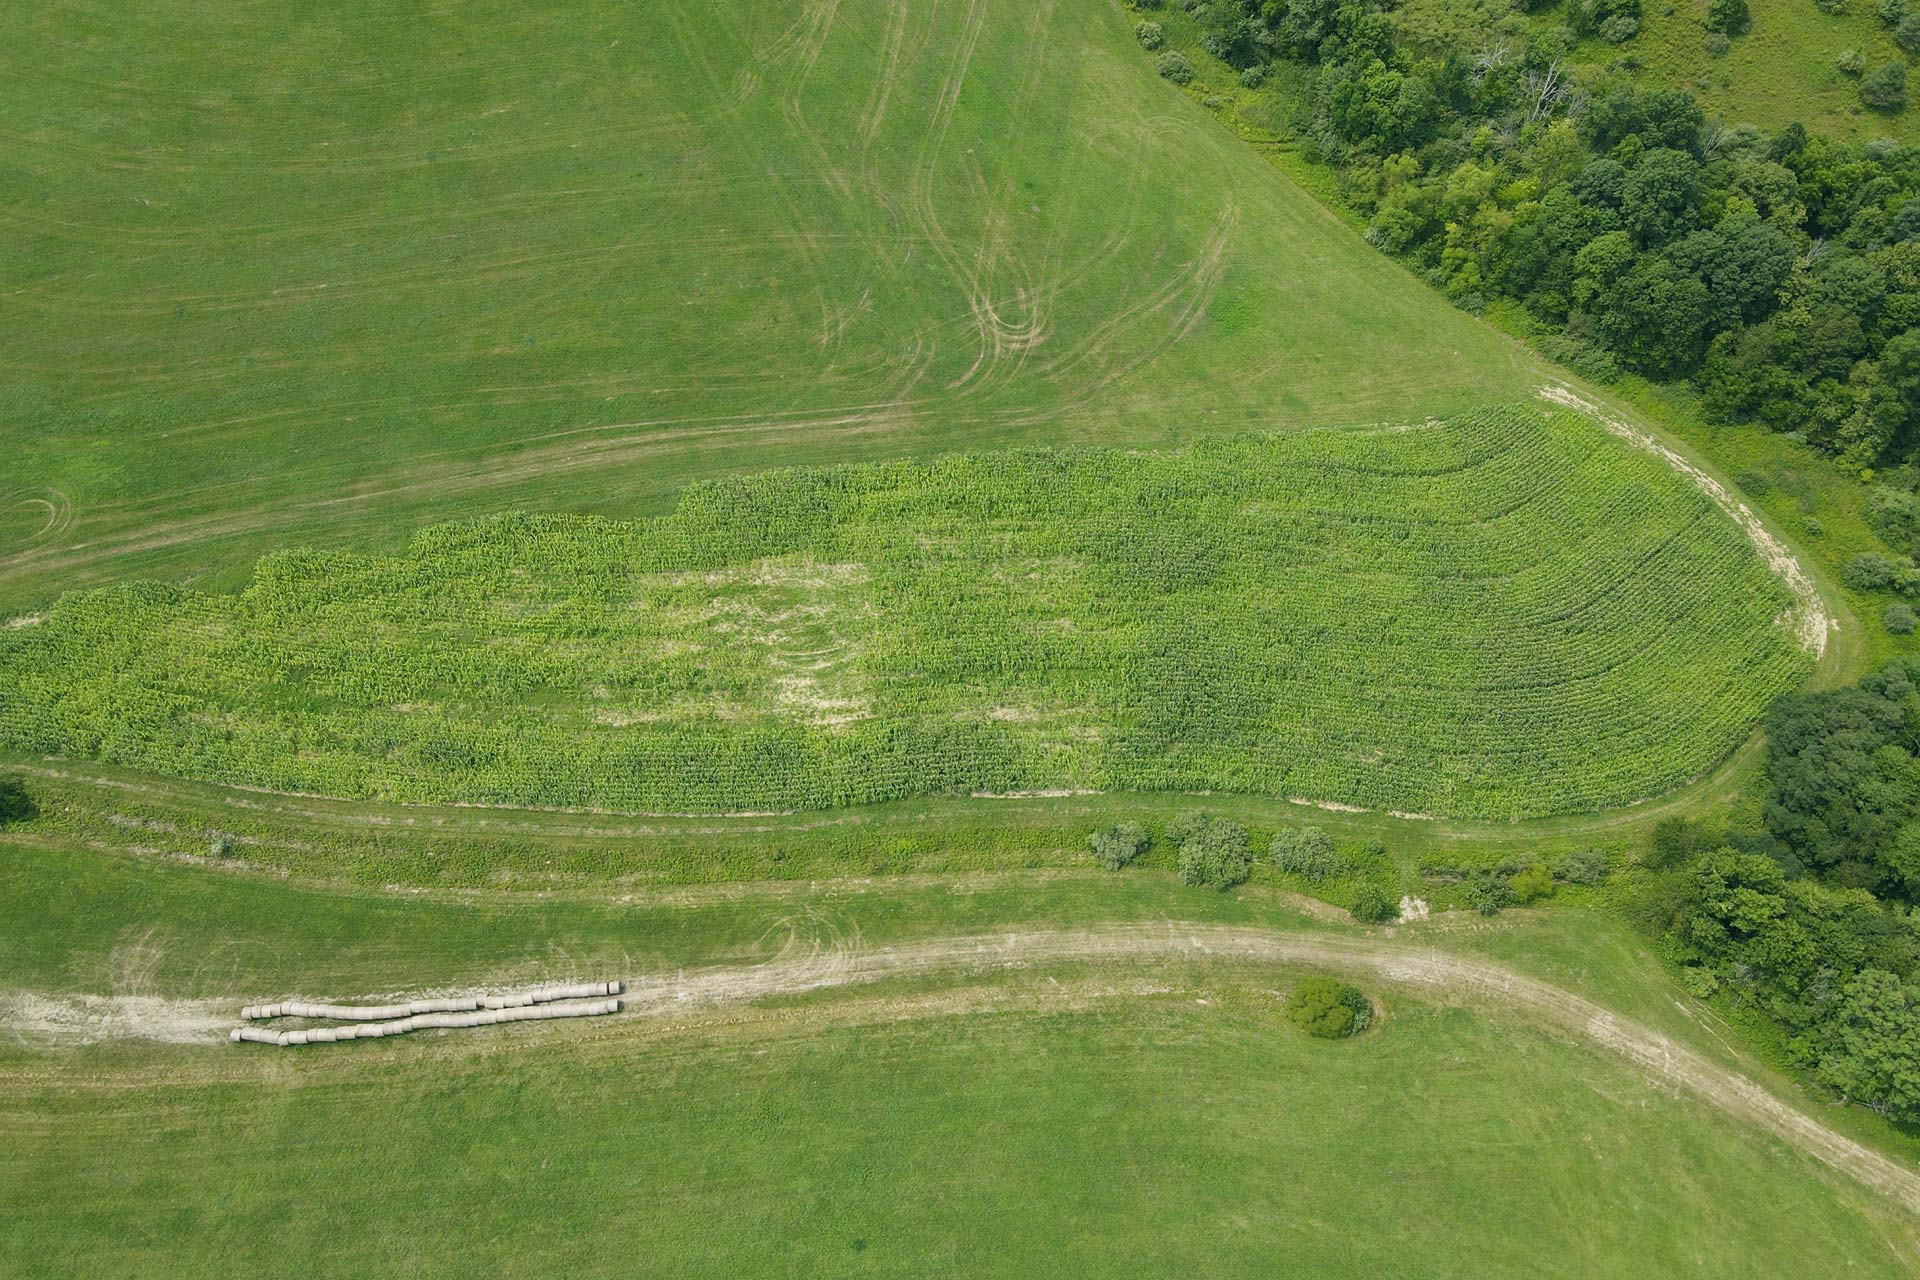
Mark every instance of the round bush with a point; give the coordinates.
(1868, 571)
(1907, 34)
(1327, 1009)
(1149, 34)
(1173, 65)
(1532, 884)
(1899, 619)
(1851, 62)
(15, 804)
(1620, 28)
(1115, 847)
(1372, 905)
(1885, 87)
(1254, 76)
(1729, 17)
(1487, 893)
(1218, 856)
(1718, 44)
(1308, 853)
(1583, 866)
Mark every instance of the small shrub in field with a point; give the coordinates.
(1488, 893)
(1718, 43)
(1851, 62)
(15, 804)
(1327, 1009)
(1582, 866)
(1899, 619)
(1373, 905)
(1890, 12)
(1831, 6)
(1187, 826)
(1729, 17)
(1620, 28)
(1532, 884)
(219, 847)
(1115, 847)
(1907, 34)
(1254, 76)
(1149, 34)
(1307, 852)
(1674, 841)
(1885, 87)
(1218, 856)
(1173, 65)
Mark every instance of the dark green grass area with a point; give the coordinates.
(1509, 614)
(278, 275)
(1190, 1133)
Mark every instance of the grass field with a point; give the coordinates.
(1159, 1136)
(1075, 1116)
(1783, 70)
(1507, 615)
(277, 277)
(1085, 490)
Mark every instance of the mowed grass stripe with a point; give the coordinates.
(1001, 622)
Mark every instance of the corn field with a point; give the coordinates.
(1505, 614)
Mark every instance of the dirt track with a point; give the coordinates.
(805, 966)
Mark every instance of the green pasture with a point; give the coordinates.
(1158, 1137)
(279, 275)
(1159, 1118)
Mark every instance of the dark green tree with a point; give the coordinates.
(1729, 17)
(1216, 856)
(1870, 1047)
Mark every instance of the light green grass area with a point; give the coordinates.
(1782, 71)
(1074, 1116)
(278, 275)
(1506, 615)
(1163, 1137)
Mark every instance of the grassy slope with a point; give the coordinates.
(1163, 1137)
(1017, 1126)
(1781, 71)
(263, 288)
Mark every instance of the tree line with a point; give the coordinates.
(1811, 919)
(1778, 273)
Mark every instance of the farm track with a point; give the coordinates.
(841, 961)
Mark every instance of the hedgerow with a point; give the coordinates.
(1507, 614)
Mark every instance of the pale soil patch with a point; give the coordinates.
(799, 619)
(25, 620)
(1412, 908)
(1807, 621)
(81, 1020)
(1331, 806)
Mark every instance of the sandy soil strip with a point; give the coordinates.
(844, 962)
(1808, 621)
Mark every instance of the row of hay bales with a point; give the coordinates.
(578, 1000)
